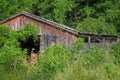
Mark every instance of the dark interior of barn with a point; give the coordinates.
(29, 44)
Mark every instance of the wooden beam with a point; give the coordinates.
(89, 39)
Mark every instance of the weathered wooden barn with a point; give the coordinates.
(52, 32)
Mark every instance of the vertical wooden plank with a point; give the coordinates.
(89, 39)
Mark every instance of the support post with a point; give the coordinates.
(89, 39)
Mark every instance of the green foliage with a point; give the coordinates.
(53, 60)
(93, 57)
(61, 8)
(110, 10)
(94, 65)
(75, 13)
(54, 10)
(116, 52)
(78, 45)
(4, 31)
(10, 7)
(59, 63)
(4, 34)
(98, 26)
(11, 54)
(28, 31)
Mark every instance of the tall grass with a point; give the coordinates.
(107, 70)
(58, 63)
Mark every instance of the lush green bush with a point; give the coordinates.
(4, 34)
(28, 31)
(97, 26)
(57, 62)
(78, 45)
(93, 65)
(116, 52)
(55, 59)
(11, 54)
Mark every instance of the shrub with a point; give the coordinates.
(53, 60)
(115, 50)
(11, 54)
(93, 65)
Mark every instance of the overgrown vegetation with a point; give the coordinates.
(57, 62)
(11, 53)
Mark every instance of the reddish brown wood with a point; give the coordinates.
(61, 36)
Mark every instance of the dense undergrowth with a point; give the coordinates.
(57, 62)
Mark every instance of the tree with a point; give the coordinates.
(54, 10)
(97, 26)
(10, 7)
(110, 10)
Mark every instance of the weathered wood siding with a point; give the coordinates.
(49, 34)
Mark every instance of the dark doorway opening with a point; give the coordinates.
(29, 44)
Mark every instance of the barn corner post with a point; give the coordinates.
(89, 39)
(89, 42)
(118, 38)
